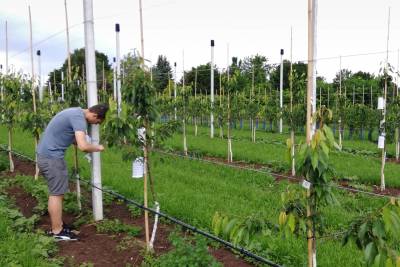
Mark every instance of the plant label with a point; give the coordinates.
(381, 103)
(306, 184)
(138, 168)
(381, 141)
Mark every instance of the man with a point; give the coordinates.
(67, 127)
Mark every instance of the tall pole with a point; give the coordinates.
(62, 86)
(291, 105)
(230, 154)
(33, 87)
(118, 67)
(39, 76)
(185, 150)
(281, 93)
(175, 89)
(91, 81)
(68, 48)
(141, 30)
(212, 91)
(383, 122)
(311, 101)
(6, 49)
(114, 79)
(340, 95)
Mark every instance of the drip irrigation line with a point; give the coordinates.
(354, 190)
(194, 229)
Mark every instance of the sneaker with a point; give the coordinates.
(65, 235)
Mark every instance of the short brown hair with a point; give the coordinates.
(100, 110)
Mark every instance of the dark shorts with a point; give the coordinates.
(56, 174)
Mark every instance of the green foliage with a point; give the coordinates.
(301, 211)
(18, 245)
(187, 251)
(377, 234)
(252, 232)
(116, 226)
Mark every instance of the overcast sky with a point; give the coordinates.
(345, 27)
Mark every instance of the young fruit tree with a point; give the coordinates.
(9, 108)
(301, 213)
(131, 130)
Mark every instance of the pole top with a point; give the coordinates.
(212, 43)
(117, 27)
(174, 64)
(114, 59)
(38, 52)
(282, 52)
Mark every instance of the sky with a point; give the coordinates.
(355, 30)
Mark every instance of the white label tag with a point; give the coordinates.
(306, 184)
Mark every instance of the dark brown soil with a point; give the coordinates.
(21, 167)
(24, 201)
(106, 250)
(389, 191)
(393, 160)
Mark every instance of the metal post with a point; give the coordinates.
(311, 102)
(212, 91)
(39, 77)
(118, 74)
(383, 121)
(62, 86)
(33, 88)
(281, 93)
(175, 89)
(91, 80)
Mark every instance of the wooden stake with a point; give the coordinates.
(69, 75)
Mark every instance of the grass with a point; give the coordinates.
(193, 191)
(271, 150)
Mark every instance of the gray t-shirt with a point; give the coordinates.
(60, 132)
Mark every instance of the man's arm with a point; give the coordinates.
(84, 146)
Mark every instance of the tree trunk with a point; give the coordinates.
(10, 157)
(145, 177)
(195, 126)
(185, 150)
(292, 153)
(397, 144)
(340, 133)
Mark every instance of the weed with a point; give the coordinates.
(116, 226)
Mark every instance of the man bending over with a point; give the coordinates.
(65, 128)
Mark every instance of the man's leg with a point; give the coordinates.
(55, 210)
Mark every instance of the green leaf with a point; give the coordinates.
(362, 231)
(291, 222)
(370, 252)
(228, 228)
(378, 229)
(314, 159)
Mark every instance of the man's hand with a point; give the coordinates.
(84, 146)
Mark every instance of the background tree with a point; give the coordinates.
(162, 72)
(78, 61)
